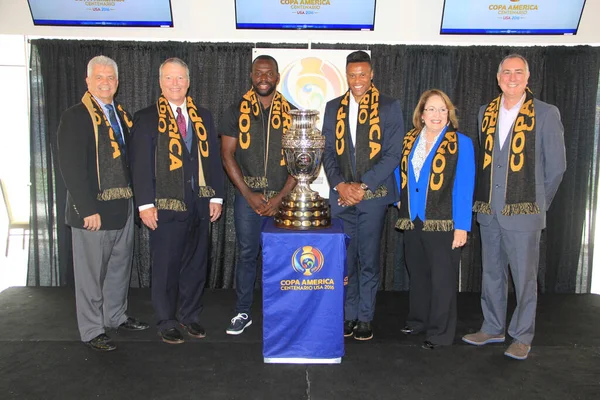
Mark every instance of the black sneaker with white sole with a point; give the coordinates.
(238, 324)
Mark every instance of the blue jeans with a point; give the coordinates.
(248, 226)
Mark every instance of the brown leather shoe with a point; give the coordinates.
(101, 343)
(481, 338)
(518, 350)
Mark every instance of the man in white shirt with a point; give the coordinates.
(92, 140)
(364, 131)
(522, 161)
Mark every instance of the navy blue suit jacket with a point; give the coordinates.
(382, 173)
(141, 154)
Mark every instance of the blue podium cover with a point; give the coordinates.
(304, 275)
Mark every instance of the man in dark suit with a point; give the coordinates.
(521, 165)
(178, 184)
(364, 131)
(92, 136)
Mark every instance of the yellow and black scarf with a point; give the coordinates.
(520, 179)
(368, 139)
(170, 190)
(438, 206)
(258, 142)
(112, 174)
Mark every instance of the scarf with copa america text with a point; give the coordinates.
(520, 180)
(113, 176)
(438, 206)
(170, 181)
(368, 139)
(259, 153)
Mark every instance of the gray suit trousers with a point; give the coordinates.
(520, 250)
(102, 269)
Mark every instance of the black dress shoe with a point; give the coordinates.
(195, 330)
(132, 324)
(363, 331)
(101, 343)
(427, 345)
(407, 330)
(171, 336)
(349, 327)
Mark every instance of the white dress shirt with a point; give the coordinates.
(105, 110)
(353, 120)
(506, 119)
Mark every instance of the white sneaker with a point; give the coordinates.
(238, 324)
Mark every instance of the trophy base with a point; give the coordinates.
(303, 214)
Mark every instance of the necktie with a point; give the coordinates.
(181, 123)
(112, 118)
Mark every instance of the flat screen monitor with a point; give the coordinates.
(305, 14)
(140, 13)
(511, 17)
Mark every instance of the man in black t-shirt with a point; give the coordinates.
(251, 133)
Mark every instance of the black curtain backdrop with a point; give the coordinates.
(564, 76)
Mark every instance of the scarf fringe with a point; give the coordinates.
(520, 209)
(256, 182)
(206, 191)
(438, 225)
(170, 204)
(381, 191)
(482, 207)
(404, 224)
(115, 194)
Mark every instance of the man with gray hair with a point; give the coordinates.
(521, 165)
(92, 140)
(179, 189)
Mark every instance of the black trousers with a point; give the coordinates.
(433, 269)
(179, 264)
(364, 227)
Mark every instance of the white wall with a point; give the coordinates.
(396, 22)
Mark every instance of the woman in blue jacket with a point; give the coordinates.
(436, 177)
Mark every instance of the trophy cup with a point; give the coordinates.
(303, 147)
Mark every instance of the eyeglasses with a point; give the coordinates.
(433, 110)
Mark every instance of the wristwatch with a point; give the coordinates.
(364, 186)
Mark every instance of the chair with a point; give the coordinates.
(13, 223)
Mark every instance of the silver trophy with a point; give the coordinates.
(303, 147)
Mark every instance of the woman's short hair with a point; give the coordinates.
(418, 113)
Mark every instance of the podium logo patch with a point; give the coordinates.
(307, 260)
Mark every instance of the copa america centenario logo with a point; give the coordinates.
(311, 81)
(307, 260)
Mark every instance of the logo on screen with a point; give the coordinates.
(309, 82)
(307, 260)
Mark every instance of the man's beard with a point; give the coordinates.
(266, 92)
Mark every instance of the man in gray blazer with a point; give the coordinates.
(521, 165)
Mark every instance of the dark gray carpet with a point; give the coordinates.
(41, 356)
